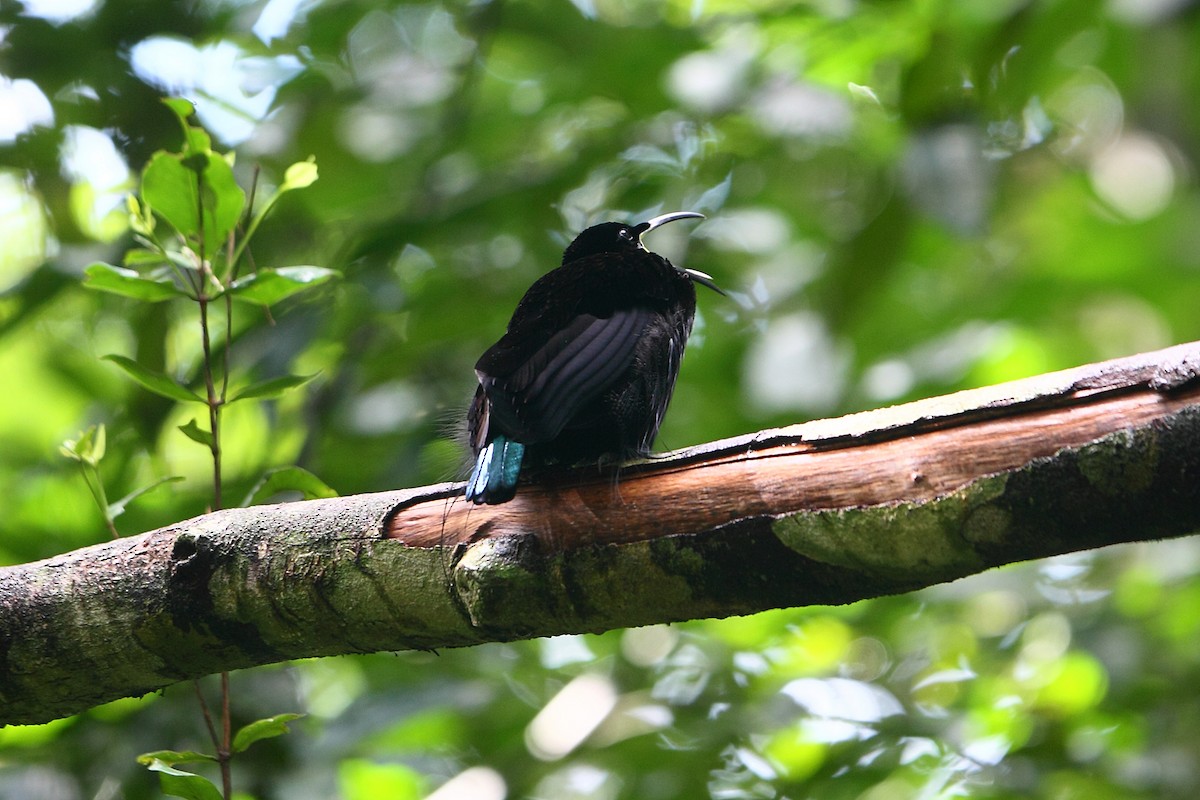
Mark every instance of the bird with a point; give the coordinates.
(587, 365)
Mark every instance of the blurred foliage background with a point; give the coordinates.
(903, 198)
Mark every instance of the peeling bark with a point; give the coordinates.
(826, 512)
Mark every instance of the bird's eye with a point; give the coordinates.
(625, 234)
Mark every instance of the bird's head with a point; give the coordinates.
(616, 237)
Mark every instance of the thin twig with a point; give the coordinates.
(225, 750)
(91, 476)
(243, 229)
(208, 720)
(215, 401)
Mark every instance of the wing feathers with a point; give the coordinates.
(575, 366)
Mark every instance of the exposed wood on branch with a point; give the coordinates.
(826, 512)
(908, 453)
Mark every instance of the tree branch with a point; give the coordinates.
(826, 512)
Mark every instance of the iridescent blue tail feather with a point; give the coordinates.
(494, 478)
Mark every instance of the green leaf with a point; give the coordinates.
(99, 447)
(182, 107)
(127, 283)
(170, 189)
(140, 257)
(88, 448)
(185, 260)
(713, 199)
(197, 434)
(154, 381)
(117, 508)
(226, 201)
(269, 286)
(196, 140)
(300, 175)
(176, 186)
(288, 479)
(140, 218)
(172, 757)
(187, 785)
(262, 729)
(273, 387)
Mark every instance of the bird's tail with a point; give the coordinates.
(494, 478)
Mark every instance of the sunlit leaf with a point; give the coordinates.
(269, 286)
(128, 283)
(262, 729)
(172, 757)
(299, 175)
(140, 218)
(88, 447)
(177, 186)
(226, 200)
(288, 479)
(196, 140)
(170, 189)
(182, 107)
(154, 381)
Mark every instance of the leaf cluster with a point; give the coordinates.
(190, 786)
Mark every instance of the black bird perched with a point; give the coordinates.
(589, 361)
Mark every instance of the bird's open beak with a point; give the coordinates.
(702, 278)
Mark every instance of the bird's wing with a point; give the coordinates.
(533, 400)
